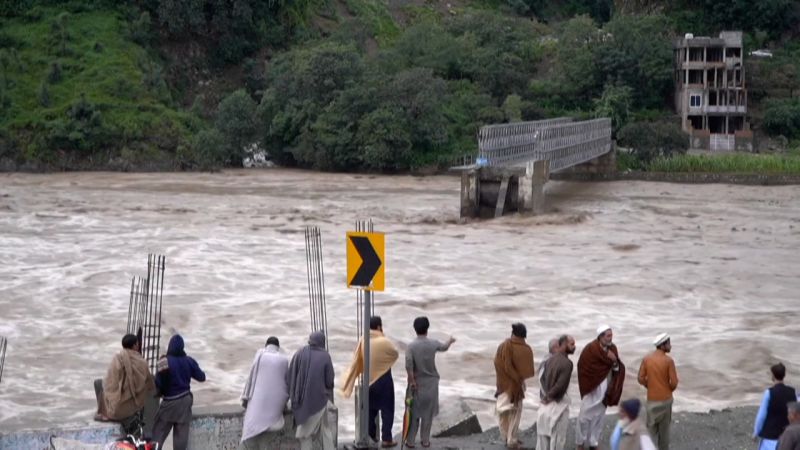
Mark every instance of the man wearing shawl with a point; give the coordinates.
(265, 394)
(423, 381)
(310, 380)
(600, 378)
(383, 355)
(127, 384)
(513, 364)
(175, 373)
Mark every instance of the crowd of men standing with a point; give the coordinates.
(305, 384)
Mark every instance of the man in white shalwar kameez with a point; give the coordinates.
(265, 395)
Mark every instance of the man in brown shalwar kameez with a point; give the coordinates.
(513, 364)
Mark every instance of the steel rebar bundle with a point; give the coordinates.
(316, 282)
(144, 309)
(3, 346)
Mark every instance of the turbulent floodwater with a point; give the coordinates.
(714, 265)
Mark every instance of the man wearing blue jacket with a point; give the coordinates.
(175, 373)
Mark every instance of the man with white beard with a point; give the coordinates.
(600, 378)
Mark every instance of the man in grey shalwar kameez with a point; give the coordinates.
(264, 396)
(423, 379)
(310, 380)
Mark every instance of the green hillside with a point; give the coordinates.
(374, 85)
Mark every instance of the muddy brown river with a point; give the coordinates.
(714, 265)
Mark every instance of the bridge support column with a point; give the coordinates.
(531, 187)
(470, 193)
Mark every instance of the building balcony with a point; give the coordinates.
(697, 65)
(724, 109)
(731, 62)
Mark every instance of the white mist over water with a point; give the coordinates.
(714, 265)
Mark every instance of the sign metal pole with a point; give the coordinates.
(364, 394)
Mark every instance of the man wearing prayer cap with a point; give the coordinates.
(657, 373)
(601, 375)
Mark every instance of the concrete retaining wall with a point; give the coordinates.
(606, 163)
(212, 428)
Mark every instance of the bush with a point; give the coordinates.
(54, 74)
(782, 117)
(208, 150)
(43, 94)
(649, 140)
(236, 123)
(81, 129)
(140, 29)
(615, 103)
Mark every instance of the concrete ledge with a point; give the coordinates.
(455, 421)
(212, 428)
(685, 177)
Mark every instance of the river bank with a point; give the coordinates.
(728, 429)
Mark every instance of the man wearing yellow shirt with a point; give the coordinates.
(382, 357)
(657, 373)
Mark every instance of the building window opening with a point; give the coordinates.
(695, 77)
(714, 54)
(696, 122)
(733, 53)
(695, 101)
(712, 98)
(696, 54)
(716, 124)
(736, 123)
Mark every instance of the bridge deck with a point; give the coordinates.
(560, 141)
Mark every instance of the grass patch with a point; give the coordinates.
(728, 163)
(375, 14)
(51, 63)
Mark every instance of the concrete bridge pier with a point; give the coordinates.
(531, 187)
(488, 192)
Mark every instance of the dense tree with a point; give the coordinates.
(236, 122)
(649, 140)
(782, 117)
(615, 103)
(575, 78)
(636, 52)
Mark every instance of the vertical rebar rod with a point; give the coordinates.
(130, 303)
(310, 277)
(3, 347)
(314, 280)
(323, 306)
(157, 350)
(148, 333)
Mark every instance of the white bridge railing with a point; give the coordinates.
(561, 141)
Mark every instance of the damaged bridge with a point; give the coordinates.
(515, 161)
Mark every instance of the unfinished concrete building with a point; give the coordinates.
(710, 91)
